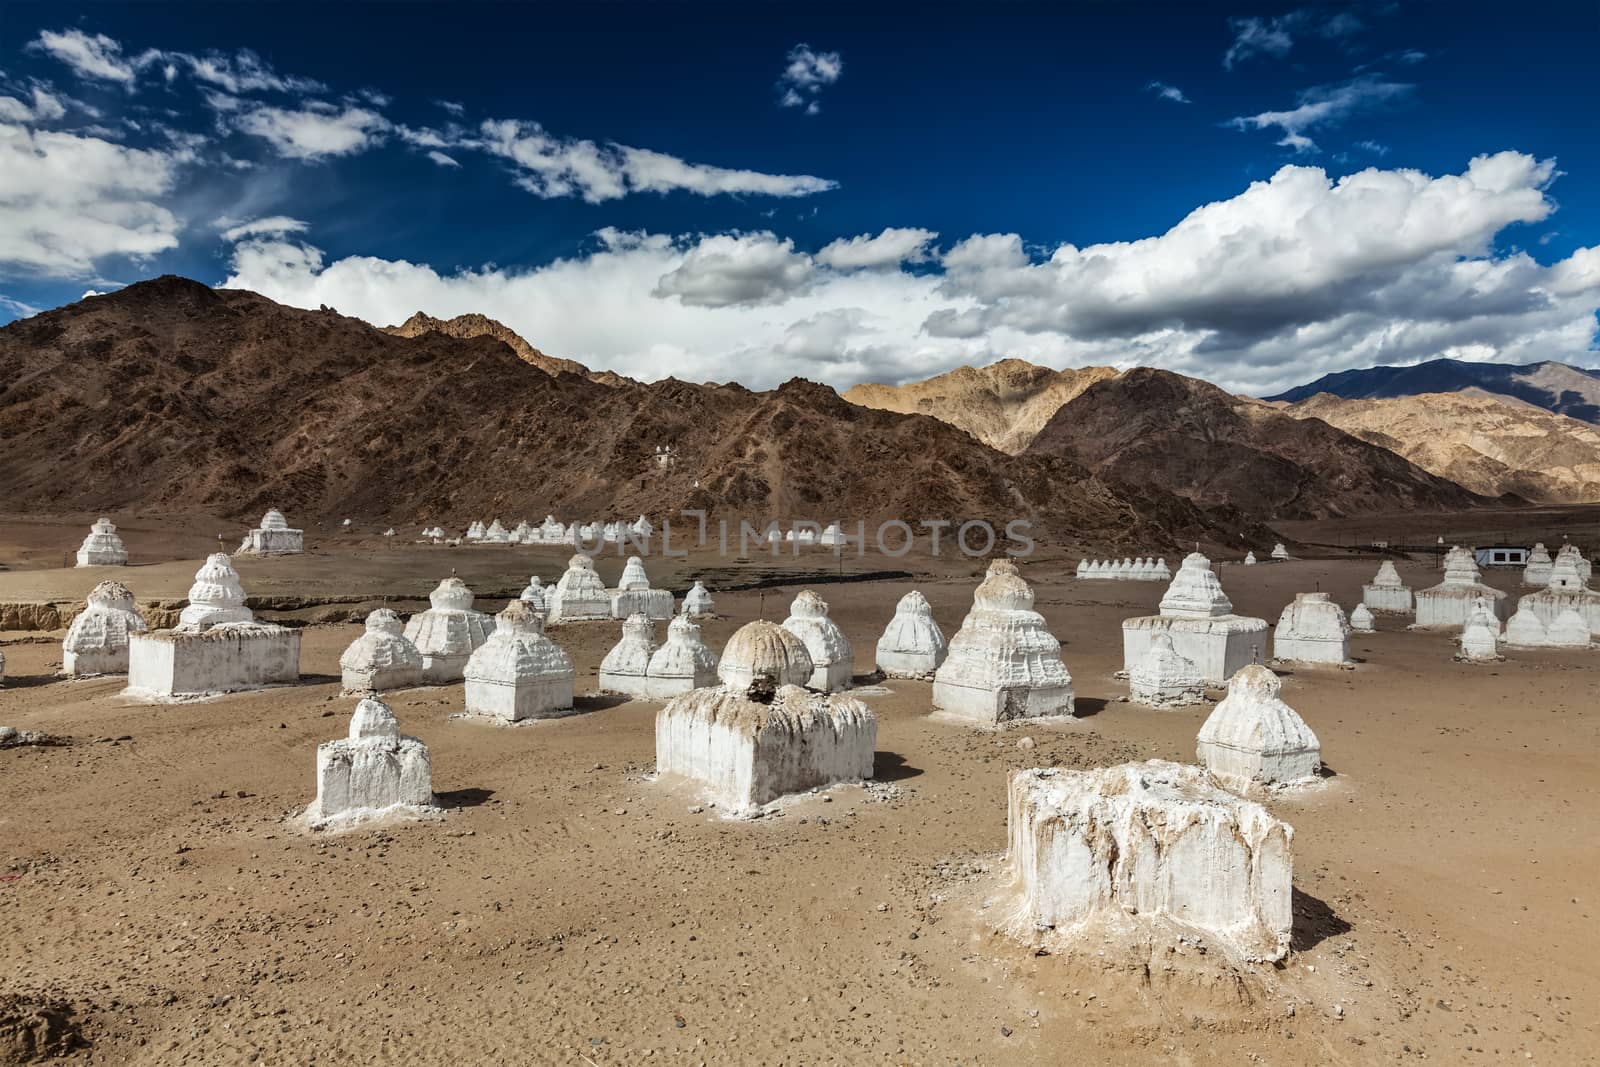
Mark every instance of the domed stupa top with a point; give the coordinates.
(1253, 737)
(1003, 589)
(1196, 592)
(274, 520)
(684, 655)
(518, 649)
(763, 649)
(451, 594)
(373, 718)
(633, 576)
(216, 596)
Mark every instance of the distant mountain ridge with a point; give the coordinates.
(1558, 387)
(475, 325)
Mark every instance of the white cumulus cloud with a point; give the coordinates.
(805, 74)
(891, 248)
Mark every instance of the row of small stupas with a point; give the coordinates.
(103, 547)
(1125, 570)
(554, 532)
(1279, 555)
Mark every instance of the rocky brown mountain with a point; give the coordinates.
(475, 325)
(1232, 455)
(171, 395)
(1004, 404)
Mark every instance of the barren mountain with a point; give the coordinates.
(474, 325)
(1165, 431)
(1488, 443)
(1556, 387)
(172, 395)
(1004, 405)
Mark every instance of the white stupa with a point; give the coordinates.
(1567, 590)
(1526, 630)
(1279, 552)
(1249, 559)
(763, 649)
(1361, 620)
(697, 602)
(1254, 739)
(273, 538)
(627, 666)
(102, 547)
(1199, 617)
(682, 664)
(217, 646)
(1449, 602)
(1386, 593)
(496, 534)
(1569, 630)
(381, 659)
(912, 645)
(1003, 663)
(1537, 570)
(475, 531)
(1155, 847)
(1165, 679)
(1480, 635)
(1083, 568)
(832, 659)
(579, 596)
(750, 744)
(633, 594)
(375, 772)
(97, 640)
(448, 632)
(533, 594)
(1313, 629)
(832, 536)
(519, 673)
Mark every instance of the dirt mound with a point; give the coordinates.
(1004, 405)
(1488, 443)
(33, 1030)
(1170, 433)
(474, 325)
(177, 397)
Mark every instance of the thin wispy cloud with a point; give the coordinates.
(1274, 36)
(1323, 105)
(804, 77)
(1168, 92)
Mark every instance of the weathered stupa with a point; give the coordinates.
(763, 649)
(1003, 663)
(1480, 635)
(580, 595)
(97, 640)
(519, 673)
(1254, 739)
(912, 645)
(1361, 620)
(1165, 679)
(1249, 559)
(1449, 602)
(273, 538)
(1569, 630)
(1152, 844)
(697, 602)
(1279, 552)
(374, 772)
(832, 659)
(1567, 590)
(1200, 619)
(751, 744)
(1387, 594)
(682, 664)
(633, 595)
(382, 658)
(102, 547)
(533, 594)
(448, 632)
(627, 666)
(1313, 629)
(1537, 570)
(217, 646)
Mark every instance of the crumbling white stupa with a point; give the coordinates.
(912, 645)
(217, 646)
(102, 547)
(682, 664)
(1480, 634)
(1387, 594)
(751, 744)
(534, 594)
(627, 666)
(697, 602)
(763, 649)
(273, 538)
(1569, 630)
(1313, 629)
(1003, 663)
(1249, 559)
(1279, 552)
(1537, 570)
(1567, 590)
(832, 659)
(448, 632)
(374, 772)
(1526, 630)
(519, 673)
(1204, 629)
(1449, 602)
(97, 640)
(382, 658)
(1154, 844)
(633, 594)
(1165, 679)
(580, 595)
(1361, 620)
(1254, 739)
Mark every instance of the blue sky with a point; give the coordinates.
(844, 193)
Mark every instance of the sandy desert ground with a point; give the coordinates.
(157, 896)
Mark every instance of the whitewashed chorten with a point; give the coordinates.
(1312, 629)
(273, 538)
(912, 645)
(626, 667)
(1164, 678)
(580, 595)
(1204, 629)
(682, 664)
(633, 594)
(448, 632)
(102, 547)
(697, 602)
(97, 640)
(763, 649)
(832, 659)
(1386, 593)
(1003, 663)
(1254, 739)
(1450, 602)
(519, 672)
(375, 772)
(381, 659)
